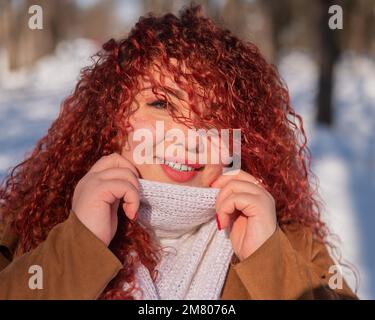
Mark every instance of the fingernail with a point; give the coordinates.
(218, 222)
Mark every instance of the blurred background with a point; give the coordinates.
(330, 75)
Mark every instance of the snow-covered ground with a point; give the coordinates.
(30, 99)
(343, 157)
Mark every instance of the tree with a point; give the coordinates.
(330, 52)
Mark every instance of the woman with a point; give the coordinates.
(70, 208)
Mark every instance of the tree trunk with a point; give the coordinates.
(330, 51)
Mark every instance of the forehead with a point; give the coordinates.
(164, 81)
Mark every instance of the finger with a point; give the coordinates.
(120, 173)
(119, 189)
(243, 202)
(115, 208)
(224, 179)
(238, 186)
(113, 160)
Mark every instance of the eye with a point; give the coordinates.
(159, 104)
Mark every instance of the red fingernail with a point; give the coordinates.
(218, 222)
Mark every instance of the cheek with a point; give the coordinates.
(212, 172)
(153, 125)
(139, 121)
(142, 132)
(146, 133)
(219, 151)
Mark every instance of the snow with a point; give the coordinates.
(343, 156)
(30, 98)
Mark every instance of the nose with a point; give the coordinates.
(184, 140)
(192, 145)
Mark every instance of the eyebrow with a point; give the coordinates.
(175, 92)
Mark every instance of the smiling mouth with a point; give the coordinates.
(178, 166)
(181, 167)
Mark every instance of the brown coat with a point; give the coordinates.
(77, 265)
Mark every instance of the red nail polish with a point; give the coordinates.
(218, 222)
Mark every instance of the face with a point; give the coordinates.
(171, 158)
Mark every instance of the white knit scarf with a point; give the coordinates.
(196, 256)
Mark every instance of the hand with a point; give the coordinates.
(97, 195)
(245, 207)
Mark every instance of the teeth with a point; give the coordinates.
(178, 166)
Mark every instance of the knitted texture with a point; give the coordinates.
(196, 256)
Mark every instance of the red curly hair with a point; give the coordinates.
(93, 120)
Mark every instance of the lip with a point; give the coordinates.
(178, 176)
